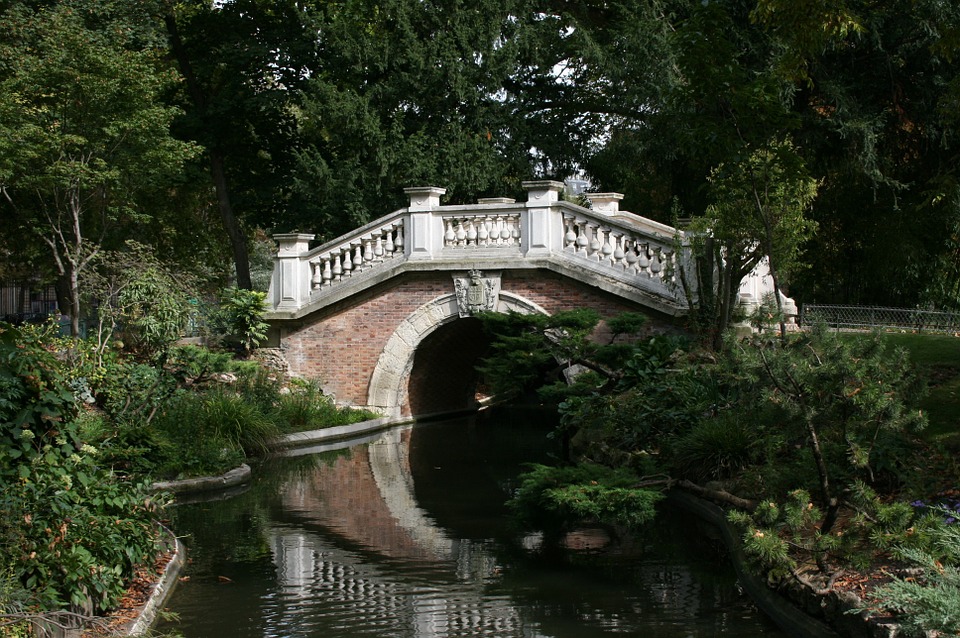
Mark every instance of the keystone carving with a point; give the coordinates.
(476, 293)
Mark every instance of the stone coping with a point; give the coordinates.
(356, 430)
(162, 590)
(234, 477)
(145, 614)
(337, 432)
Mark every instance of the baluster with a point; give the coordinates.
(655, 264)
(367, 250)
(618, 253)
(337, 265)
(644, 262)
(515, 229)
(570, 238)
(378, 246)
(316, 277)
(357, 256)
(483, 235)
(594, 248)
(461, 233)
(632, 257)
(398, 240)
(327, 274)
(669, 264)
(606, 250)
(582, 240)
(472, 232)
(388, 245)
(449, 236)
(504, 231)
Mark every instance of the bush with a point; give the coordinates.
(554, 498)
(933, 602)
(195, 446)
(70, 529)
(715, 448)
(306, 407)
(240, 318)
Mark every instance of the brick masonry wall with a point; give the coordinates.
(341, 345)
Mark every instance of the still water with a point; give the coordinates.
(407, 536)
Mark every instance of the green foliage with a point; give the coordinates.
(85, 131)
(193, 366)
(305, 407)
(139, 300)
(554, 498)
(774, 531)
(530, 352)
(70, 528)
(716, 448)
(933, 602)
(844, 401)
(194, 449)
(240, 317)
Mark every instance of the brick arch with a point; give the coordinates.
(389, 381)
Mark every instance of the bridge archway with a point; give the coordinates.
(426, 337)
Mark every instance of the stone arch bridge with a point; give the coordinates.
(383, 316)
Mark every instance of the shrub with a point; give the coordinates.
(715, 448)
(70, 529)
(240, 317)
(933, 602)
(306, 407)
(195, 448)
(230, 417)
(553, 498)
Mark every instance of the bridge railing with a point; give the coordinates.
(494, 233)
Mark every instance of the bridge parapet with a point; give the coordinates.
(617, 251)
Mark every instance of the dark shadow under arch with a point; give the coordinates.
(444, 376)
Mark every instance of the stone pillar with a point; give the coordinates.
(605, 203)
(290, 284)
(425, 233)
(541, 228)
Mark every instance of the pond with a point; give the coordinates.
(407, 536)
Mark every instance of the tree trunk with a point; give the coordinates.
(238, 241)
(74, 301)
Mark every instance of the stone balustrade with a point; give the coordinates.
(619, 251)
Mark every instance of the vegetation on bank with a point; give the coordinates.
(817, 444)
(85, 427)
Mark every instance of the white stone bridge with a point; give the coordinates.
(366, 311)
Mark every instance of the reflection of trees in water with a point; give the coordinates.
(235, 529)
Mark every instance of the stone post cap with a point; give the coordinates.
(496, 200)
(605, 202)
(293, 243)
(424, 197)
(543, 191)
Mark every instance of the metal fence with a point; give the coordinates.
(870, 317)
(22, 301)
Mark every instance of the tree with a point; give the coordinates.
(243, 63)
(85, 134)
(758, 214)
(409, 93)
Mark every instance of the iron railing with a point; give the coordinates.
(870, 317)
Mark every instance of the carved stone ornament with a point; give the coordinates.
(476, 293)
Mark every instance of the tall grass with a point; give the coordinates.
(306, 407)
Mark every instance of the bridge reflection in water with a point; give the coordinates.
(407, 537)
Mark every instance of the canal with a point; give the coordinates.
(407, 536)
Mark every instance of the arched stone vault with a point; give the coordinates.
(388, 384)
